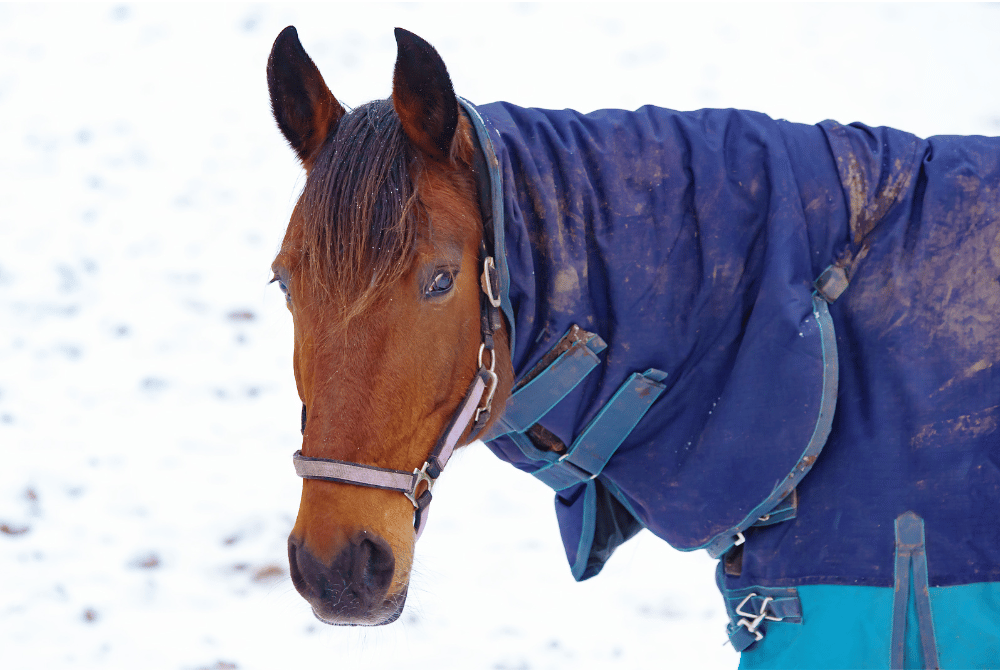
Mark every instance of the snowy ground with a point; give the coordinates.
(147, 410)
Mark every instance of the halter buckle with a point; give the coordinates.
(419, 475)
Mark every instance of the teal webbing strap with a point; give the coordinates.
(821, 431)
(786, 510)
(536, 398)
(911, 570)
(592, 450)
(749, 608)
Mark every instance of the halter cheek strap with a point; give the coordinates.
(474, 409)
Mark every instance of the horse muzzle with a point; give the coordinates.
(354, 588)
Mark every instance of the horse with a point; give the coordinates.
(772, 341)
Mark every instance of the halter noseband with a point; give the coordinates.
(474, 409)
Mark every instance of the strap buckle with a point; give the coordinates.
(757, 618)
(419, 475)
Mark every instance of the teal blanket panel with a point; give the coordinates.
(850, 627)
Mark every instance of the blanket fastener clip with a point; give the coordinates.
(746, 622)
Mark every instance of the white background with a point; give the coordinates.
(147, 409)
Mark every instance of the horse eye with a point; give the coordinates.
(442, 282)
(281, 285)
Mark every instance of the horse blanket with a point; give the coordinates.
(773, 341)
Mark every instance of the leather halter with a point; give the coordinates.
(474, 409)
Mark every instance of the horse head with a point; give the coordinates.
(380, 267)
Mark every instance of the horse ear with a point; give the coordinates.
(423, 96)
(303, 106)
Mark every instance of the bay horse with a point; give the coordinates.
(772, 341)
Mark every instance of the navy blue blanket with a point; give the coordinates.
(685, 246)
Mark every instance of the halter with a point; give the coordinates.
(475, 409)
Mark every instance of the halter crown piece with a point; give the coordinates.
(474, 409)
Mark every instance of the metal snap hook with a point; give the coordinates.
(487, 279)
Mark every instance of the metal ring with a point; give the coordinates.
(493, 359)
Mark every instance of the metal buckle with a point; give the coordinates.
(489, 268)
(488, 403)
(419, 475)
(758, 636)
(491, 389)
(751, 626)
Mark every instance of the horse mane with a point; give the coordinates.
(359, 212)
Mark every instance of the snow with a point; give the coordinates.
(147, 407)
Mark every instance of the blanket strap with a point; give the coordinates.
(598, 442)
(558, 373)
(832, 282)
(911, 569)
(748, 608)
(781, 504)
(780, 498)
(551, 380)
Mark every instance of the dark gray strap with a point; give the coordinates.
(492, 204)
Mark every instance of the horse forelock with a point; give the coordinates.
(358, 213)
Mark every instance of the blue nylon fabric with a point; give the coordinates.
(689, 242)
(686, 251)
(919, 399)
(850, 627)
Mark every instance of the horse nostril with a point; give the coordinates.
(376, 563)
(354, 587)
(293, 566)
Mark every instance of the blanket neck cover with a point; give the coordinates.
(666, 278)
